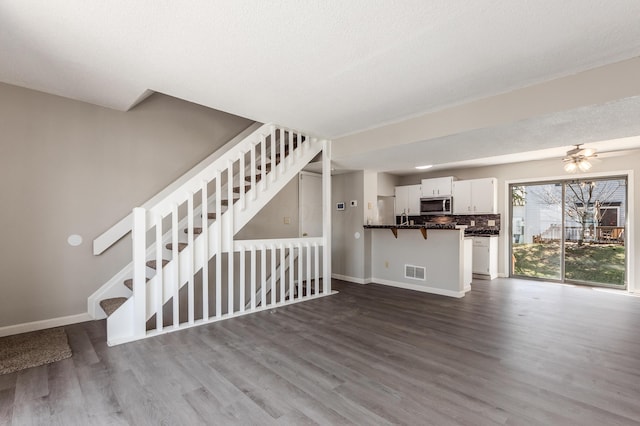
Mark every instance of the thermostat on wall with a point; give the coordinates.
(340, 206)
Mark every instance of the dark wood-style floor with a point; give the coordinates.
(510, 352)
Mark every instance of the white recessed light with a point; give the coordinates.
(428, 166)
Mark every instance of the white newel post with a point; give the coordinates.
(326, 216)
(139, 234)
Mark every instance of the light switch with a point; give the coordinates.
(354, 203)
(287, 220)
(369, 206)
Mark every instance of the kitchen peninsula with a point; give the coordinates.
(433, 258)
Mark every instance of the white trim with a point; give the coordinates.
(424, 289)
(43, 324)
(614, 291)
(630, 230)
(351, 279)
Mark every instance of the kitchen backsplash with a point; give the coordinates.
(481, 221)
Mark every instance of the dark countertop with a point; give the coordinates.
(426, 226)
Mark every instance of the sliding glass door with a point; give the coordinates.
(570, 231)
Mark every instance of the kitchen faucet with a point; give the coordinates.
(406, 216)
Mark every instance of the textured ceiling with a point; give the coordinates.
(610, 127)
(329, 67)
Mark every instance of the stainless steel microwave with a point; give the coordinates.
(434, 206)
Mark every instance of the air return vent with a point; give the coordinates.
(415, 272)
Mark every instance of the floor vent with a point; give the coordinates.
(415, 272)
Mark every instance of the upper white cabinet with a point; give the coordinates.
(408, 200)
(437, 187)
(476, 196)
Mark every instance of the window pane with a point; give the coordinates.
(594, 231)
(537, 230)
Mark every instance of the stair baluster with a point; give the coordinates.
(281, 154)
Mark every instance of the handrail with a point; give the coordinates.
(123, 227)
(297, 265)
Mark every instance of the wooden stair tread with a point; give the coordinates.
(258, 178)
(129, 283)
(195, 231)
(181, 246)
(109, 306)
(211, 216)
(236, 189)
(152, 263)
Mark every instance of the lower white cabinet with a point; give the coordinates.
(467, 264)
(485, 257)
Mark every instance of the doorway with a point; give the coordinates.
(310, 204)
(570, 231)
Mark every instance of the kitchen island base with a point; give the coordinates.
(439, 264)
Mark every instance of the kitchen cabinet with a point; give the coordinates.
(467, 265)
(475, 196)
(485, 257)
(408, 200)
(437, 187)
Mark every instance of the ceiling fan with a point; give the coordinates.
(578, 159)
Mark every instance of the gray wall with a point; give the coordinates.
(69, 167)
(269, 222)
(348, 257)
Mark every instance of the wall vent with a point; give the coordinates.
(415, 272)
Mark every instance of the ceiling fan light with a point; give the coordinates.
(588, 152)
(570, 167)
(584, 165)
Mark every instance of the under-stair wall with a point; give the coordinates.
(178, 268)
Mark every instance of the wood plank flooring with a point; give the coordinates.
(509, 353)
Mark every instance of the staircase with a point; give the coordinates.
(187, 267)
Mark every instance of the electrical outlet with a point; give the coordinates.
(491, 223)
(369, 206)
(473, 223)
(287, 220)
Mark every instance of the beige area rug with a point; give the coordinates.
(33, 349)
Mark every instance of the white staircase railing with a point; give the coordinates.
(245, 177)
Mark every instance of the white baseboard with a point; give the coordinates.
(352, 279)
(424, 289)
(41, 325)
